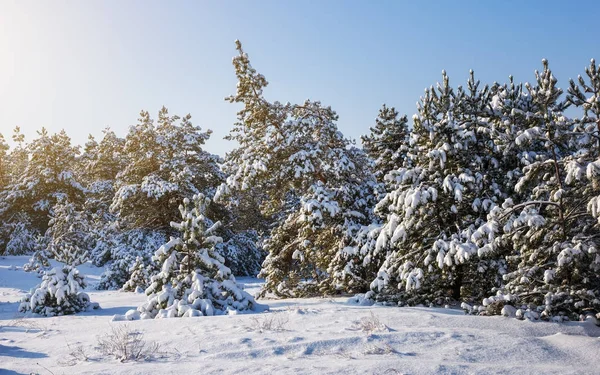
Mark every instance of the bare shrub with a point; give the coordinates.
(369, 324)
(127, 345)
(379, 350)
(76, 354)
(270, 322)
(29, 326)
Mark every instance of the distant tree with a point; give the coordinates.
(99, 165)
(4, 163)
(165, 164)
(387, 143)
(69, 234)
(19, 156)
(49, 175)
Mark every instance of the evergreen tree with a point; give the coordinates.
(193, 281)
(552, 260)
(123, 248)
(48, 176)
(294, 154)
(100, 163)
(166, 163)
(387, 143)
(60, 293)
(69, 234)
(19, 236)
(4, 163)
(439, 198)
(139, 279)
(19, 156)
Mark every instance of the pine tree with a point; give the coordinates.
(4, 163)
(104, 160)
(193, 281)
(139, 279)
(552, 261)
(48, 176)
(69, 234)
(439, 198)
(241, 252)
(19, 156)
(387, 143)
(166, 163)
(60, 293)
(99, 165)
(123, 248)
(294, 154)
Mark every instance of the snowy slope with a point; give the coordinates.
(307, 336)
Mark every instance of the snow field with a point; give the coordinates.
(303, 336)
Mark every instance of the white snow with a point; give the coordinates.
(307, 336)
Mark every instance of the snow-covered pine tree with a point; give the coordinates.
(99, 165)
(444, 190)
(19, 236)
(60, 293)
(49, 175)
(243, 230)
(306, 250)
(102, 161)
(15, 227)
(68, 234)
(193, 281)
(19, 155)
(6, 229)
(242, 253)
(124, 248)
(295, 155)
(139, 279)
(4, 163)
(166, 163)
(387, 147)
(387, 143)
(552, 266)
(351, 270)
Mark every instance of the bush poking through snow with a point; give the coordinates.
(126, 345)
(76, 355)
(60, 293)
(379, 350)
(271, 322)
(369, 324)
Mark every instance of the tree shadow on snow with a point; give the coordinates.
(11, 372)
(15, 351)
(8, 310)
(118, 310)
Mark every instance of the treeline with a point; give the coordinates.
(489, 196)
(112, 201)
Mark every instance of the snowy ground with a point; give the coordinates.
(307, 336)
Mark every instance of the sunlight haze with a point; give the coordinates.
(86, 65)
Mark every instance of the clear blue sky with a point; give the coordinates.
(85, 65)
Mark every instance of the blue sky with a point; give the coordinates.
(85, 65)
